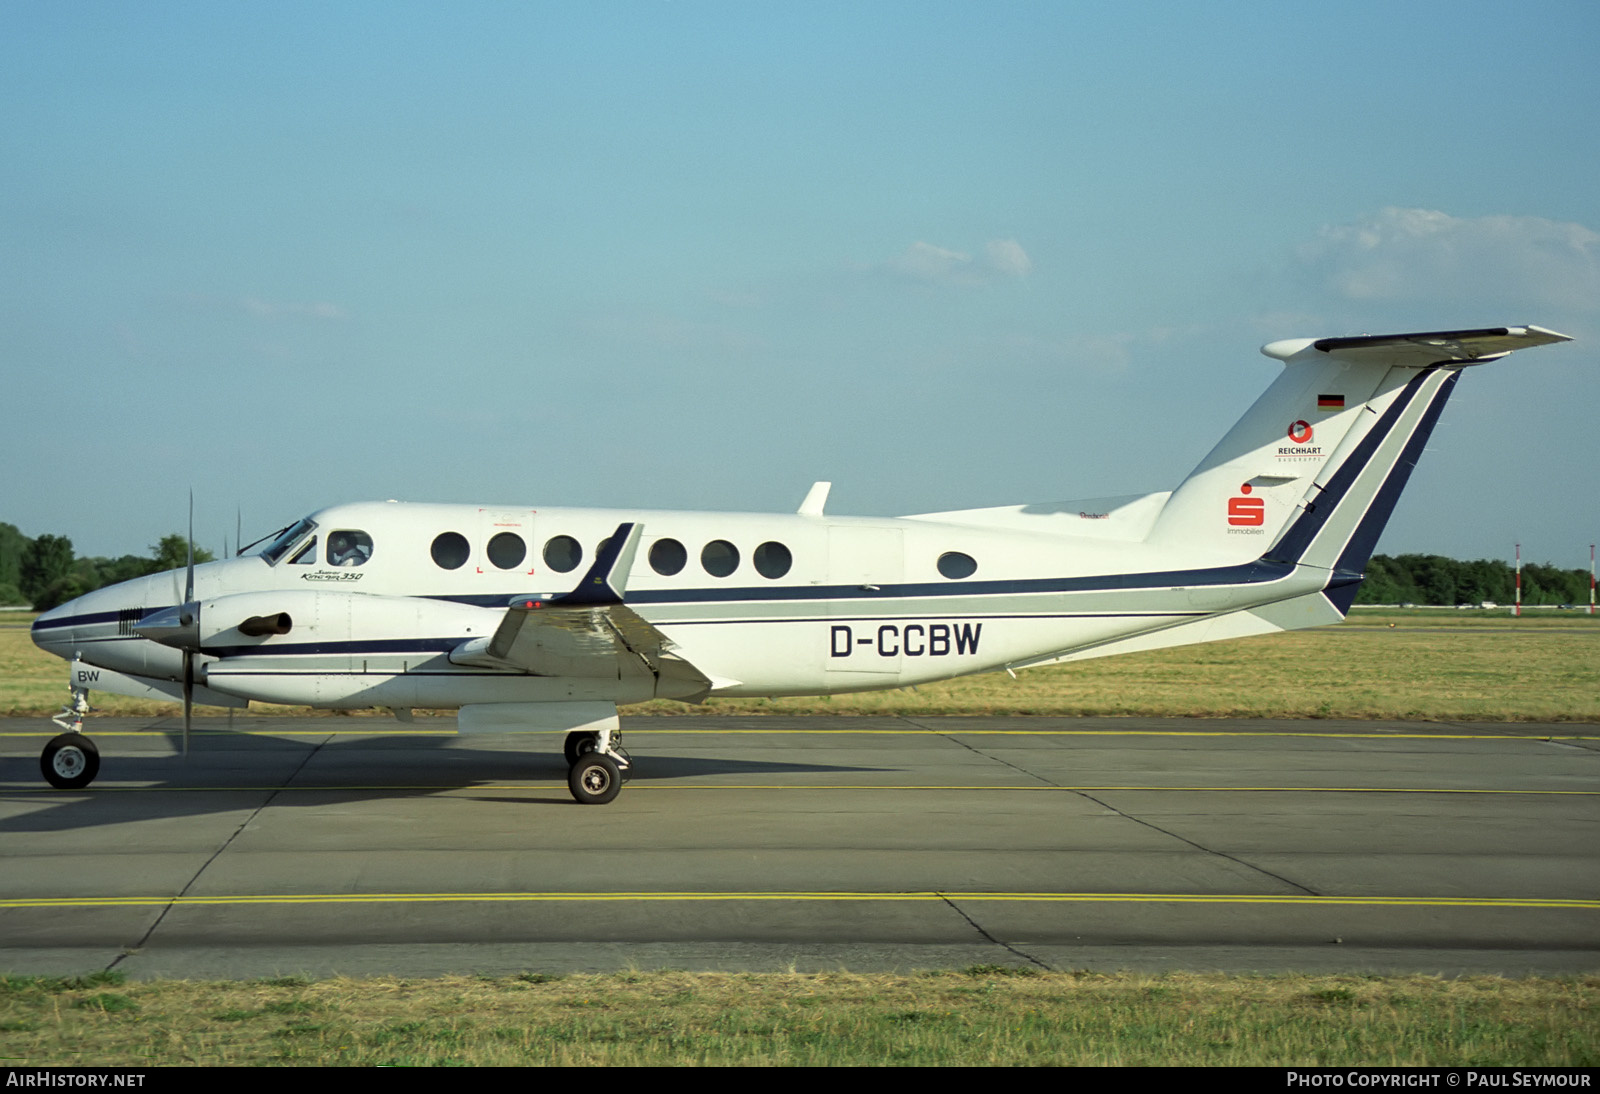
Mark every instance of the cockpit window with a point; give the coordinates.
(307, 555)
(288, 539)
(348, 548)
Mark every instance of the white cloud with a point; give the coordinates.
(1002, 258)
(275, 309)
(260, 307)
(1425, 255)
(930, 263)
(1007, 257)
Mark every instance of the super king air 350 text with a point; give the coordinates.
(546, 619)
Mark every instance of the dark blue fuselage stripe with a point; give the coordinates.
(1246, 573)
(1258, 572)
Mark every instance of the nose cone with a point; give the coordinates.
(55, 631)
(98, 626)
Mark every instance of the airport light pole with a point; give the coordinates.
(1516, 608)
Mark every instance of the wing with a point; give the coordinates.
(588, 632)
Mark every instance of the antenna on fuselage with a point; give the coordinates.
(816, 498)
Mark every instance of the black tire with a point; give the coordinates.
(70, 761)
(594, 779)
(578, 743)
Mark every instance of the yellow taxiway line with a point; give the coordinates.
(794, 895)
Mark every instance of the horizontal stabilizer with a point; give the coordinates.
(1298, 613)
(1419, 350)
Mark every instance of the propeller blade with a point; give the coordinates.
(188, 581)
(188, 696)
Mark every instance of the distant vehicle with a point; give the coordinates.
(546, 619)
(1487, 604)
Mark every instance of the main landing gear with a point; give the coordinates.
(597, 765)
(70, 761)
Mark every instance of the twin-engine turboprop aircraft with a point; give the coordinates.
(546, 619)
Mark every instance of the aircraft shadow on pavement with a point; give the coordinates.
(216, 774)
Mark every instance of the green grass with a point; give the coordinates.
(1439, 665)
(982, 1015)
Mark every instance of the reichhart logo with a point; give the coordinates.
(1300, 432)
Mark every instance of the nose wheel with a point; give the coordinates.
(70, 761)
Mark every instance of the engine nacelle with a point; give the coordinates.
(314, 620)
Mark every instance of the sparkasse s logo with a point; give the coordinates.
(1247, 511)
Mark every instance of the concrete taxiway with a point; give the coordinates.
(365, 846)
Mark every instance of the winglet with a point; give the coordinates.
(607, 580)
(816, 498)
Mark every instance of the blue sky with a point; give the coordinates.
(701, 254)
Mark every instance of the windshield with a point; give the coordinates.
(288, 540)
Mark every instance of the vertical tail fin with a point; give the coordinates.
(1312, 471)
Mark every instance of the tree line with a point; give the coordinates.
(44, 571)
(1435, 579)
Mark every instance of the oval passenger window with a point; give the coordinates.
(954, 564)
(667, 557)
(772, 560)
(562, 554)
(450, 550)
(507, 550)
(720, 558)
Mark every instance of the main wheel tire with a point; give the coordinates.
(594, 779)
(578, 743)
(70, 761)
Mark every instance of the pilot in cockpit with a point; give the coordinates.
(349, 548)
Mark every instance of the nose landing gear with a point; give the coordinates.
(70, 761)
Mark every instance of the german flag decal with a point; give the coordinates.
(1330, 402)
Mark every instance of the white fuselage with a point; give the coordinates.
(861, 604)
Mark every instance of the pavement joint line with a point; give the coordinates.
(1128, 815)
(216, 854)
(987, 937)
(924, 896)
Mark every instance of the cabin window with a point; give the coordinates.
(562, 554)
(349, 548)
(450, 550)
(507, 550)
(667, 557)
(307, 555)
(720, 558)
(954, 564)
(772, 560)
